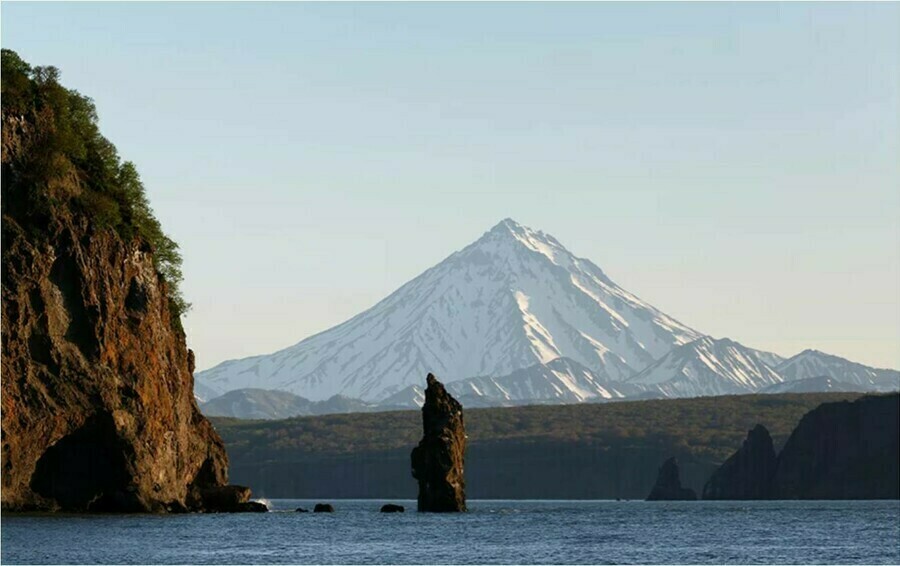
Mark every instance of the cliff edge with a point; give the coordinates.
(97, 388)
(842, 450)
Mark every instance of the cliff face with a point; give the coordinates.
(846, 450)
(98, 408)
(747, 474)
(843, 450)
(668, 485)
(438, 460)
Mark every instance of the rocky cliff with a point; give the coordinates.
(98, 409)
(842, 450)
(668, 484)
(438, 460)
(845, 450)
(747, 474)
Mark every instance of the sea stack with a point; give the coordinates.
(98, 405)
(747, 474)
(668, 485)
(437, 462)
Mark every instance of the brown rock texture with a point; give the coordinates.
(668, 484)
(438, 460)
(747, 474)
(98, 412)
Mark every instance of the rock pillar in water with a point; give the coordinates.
(437, 462)
(668, 485)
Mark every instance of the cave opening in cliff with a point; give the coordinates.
(86, 470)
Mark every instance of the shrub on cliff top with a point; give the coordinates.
(70, 163)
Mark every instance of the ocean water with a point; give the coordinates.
(493, 532)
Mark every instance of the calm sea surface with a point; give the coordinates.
(501, 532)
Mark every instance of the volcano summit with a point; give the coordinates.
(514, 298)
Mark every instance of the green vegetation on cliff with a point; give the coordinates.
(68, 162)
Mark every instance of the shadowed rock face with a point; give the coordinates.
(668, 485)
(98, 407)
(747, 474)
(437, 462)
(845, 450)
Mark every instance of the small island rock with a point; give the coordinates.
(668, 485)
(323, 508)
(392, 508)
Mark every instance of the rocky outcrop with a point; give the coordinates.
(438, 460)
(668, 485)
(323, 508)
(392, 508)
(225, 499)
(747, 474)
(845, 450)
(98, 409)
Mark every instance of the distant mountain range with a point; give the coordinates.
(274, 404)
(812, 363)
(512, 319)
(707, 367)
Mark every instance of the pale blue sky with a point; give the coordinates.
(736, 165)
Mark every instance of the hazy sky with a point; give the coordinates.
(735, 165)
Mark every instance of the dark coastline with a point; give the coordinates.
(585, 452)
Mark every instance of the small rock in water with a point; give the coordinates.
(226, 499)
(301, 510)
(668, 485)
(253, 507)
(323, 508)
(392, 508)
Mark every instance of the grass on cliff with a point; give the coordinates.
(68, 162)
(709, 427)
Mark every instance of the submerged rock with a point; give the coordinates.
(97, 389)
(301, 510)
(323, 508)
(668, 485)
(747, 474)
(226, 499)
(392, 508)
(438, 460)
(253, 507)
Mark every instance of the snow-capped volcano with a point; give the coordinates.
(708, 366)
(514, 298)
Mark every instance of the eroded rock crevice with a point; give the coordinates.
(87, 470)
